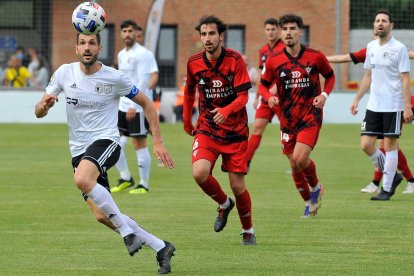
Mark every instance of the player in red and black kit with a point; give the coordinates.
(373, 187)
(221, 79)
(264, 114)
(296, 72)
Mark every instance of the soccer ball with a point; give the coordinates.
(88, 18)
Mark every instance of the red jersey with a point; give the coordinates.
(266, 51)
(297, 80)
(359, 57)
(219, 83)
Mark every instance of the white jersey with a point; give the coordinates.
(138, 63)
(91, 103)
(386, 62)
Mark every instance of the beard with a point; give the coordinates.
(212, 49)
(90, 62)
(382, 33)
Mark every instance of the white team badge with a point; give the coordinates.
(99, 88)
(201, 82)
(107, 89)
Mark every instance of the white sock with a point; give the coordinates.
(122, 164)
(147, 238)
(144, 166)
(103, 199)
(251, 231)
(390, 167)
(314, 189)
(378, 158)
(225, 204)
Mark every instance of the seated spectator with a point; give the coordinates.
(40, 75)
(15, 75)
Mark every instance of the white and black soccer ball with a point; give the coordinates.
(88, 18)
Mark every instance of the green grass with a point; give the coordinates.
(46, 229)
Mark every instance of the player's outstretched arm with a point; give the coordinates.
(339, 58)
(151, 114)
(43, 106)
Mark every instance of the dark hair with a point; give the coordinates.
(98, 38)
(291, 18)
(387, 12)
(132, 23)
(271, 21)
(211, 19)
(140, 28)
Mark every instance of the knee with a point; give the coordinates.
(258, 128)
(299, 163)
(200, 176)
(238, 187)
(83, 183)
(367, 147)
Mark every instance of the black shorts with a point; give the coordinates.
(138, 127)
(104, 154)
(382, 124)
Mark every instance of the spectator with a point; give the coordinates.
(16, 75)
(40, 74)
(140, 36)
(34, 60)
(21, 54)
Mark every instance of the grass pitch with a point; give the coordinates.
(46, 229)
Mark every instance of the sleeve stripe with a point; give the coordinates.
(265, 82)
(243, 87)
(329, 74)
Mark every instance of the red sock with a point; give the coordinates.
(213, 189)
(301, 185)
(403, 165)
(377, 175)
(310, 174)
(244, 207)
(253, 144)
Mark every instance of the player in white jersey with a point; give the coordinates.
(387, 77)
(92, 92)
(140, 65)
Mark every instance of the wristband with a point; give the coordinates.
(324, 94)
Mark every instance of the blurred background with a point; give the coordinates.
(42, 29)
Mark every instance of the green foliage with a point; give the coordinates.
(46, 229)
